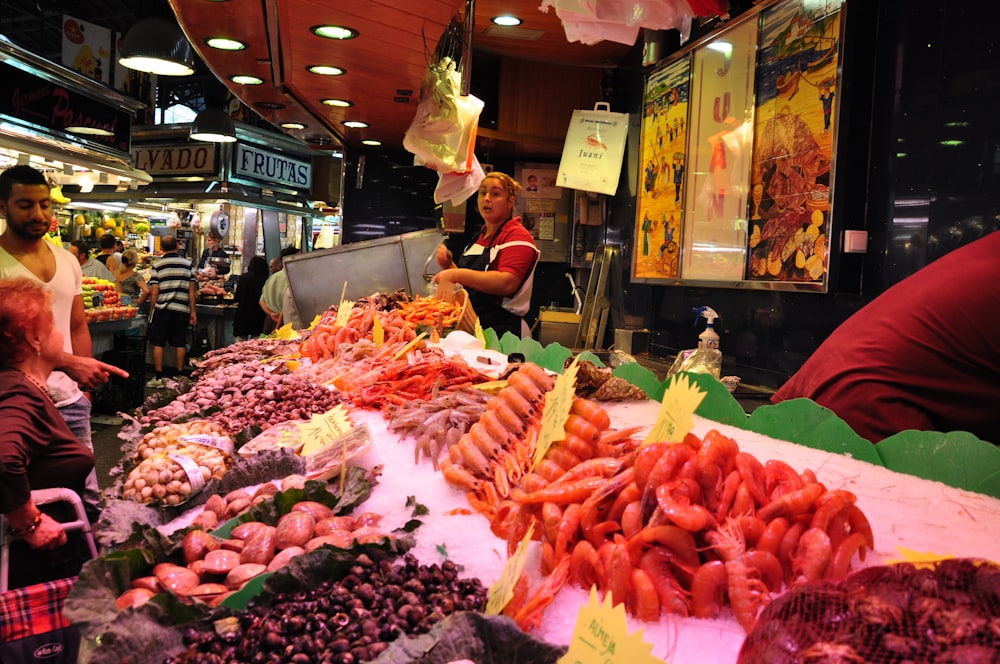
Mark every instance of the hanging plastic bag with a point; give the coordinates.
(592, 21)
(593, 151)
(442, 134)
(457, 187)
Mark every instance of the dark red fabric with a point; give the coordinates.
(925, 354)
(37, 449)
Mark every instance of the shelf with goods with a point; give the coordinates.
(429, 493)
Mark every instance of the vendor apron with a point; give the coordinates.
(502, 314)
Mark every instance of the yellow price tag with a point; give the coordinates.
(378, 332)
(676, 412)
(323, 428)
(286, 332)
(315, 321)
(502, 591)
(601, 636)
(344, 312)
(558, 401)
(917, 558)
(479, 334)
(406, 349)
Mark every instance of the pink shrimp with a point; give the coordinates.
(829, 505)
(659, 567)
(679, 503)
(643, 601)
(708, 587)
(568, 531)
(791, 503)
(840, 565)
(530, 615)
(753, 474)
(812, 556)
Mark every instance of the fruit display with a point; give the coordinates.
(101, 301)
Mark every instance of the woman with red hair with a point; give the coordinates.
(37, 448)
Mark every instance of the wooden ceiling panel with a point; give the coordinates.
(396, 38)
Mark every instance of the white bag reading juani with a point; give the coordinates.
(593, 151)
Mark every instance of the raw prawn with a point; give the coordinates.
(812, 556)
(529, 616)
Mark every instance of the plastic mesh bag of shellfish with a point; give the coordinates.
(947, 611)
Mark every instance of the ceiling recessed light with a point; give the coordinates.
(339, 103)
(325, 70)
(371, 141)
(334, 32)
(225, 44)
(244, 79)
(506, 20)
(293, 125)
(355, 124)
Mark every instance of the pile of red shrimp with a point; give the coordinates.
(687, 528)
(684, 528)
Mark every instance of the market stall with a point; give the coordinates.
(408, 455)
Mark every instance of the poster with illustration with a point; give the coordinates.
(796, 93)
(659, 215)
(86, 48)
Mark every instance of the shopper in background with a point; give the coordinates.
(172, 302)
(109, 255)
(497, 270)
(249, 319)
(90, 267)
(37, 448)
(129, 282)
(26, 204)
(272, 298)
(922, 355)
(213, 250)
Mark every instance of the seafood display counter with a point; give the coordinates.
(432, 484)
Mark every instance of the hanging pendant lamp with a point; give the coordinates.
(213, 125)
(157, 46)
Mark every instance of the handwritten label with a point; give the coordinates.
(558, 401)
(344, 312)
(378, 332)
(323, 428)
(676, 412)
(502, 591)
(601, 636)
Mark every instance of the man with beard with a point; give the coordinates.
(26, 205)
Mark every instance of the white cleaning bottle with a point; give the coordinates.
(709, 338)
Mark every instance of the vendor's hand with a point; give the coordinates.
(444, 257)
(49, 534)
(449, 275)
(88, 372)
(194, 318)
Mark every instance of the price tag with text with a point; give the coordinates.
(676, 412)
(323, 428)
(502, 591)
(601, 636)
(344, 312)
(558, 402)
(378, 332)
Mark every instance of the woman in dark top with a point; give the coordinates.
(37, 449)
(249, 319)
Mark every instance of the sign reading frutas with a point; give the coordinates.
(593, 152)
(258, 164)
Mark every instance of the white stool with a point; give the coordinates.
(44, 497)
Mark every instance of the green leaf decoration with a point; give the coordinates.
(492, 342)
(587, 356)
(642, 378)
(509, 343)
(958, 459)
(719, 405)
(530, 348)
(805, 422)
(553, 357)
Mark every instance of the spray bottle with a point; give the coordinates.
(709, 338)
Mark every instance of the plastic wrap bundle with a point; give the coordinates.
(949, 612)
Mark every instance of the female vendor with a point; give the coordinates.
(497, 269)
(37, 449)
